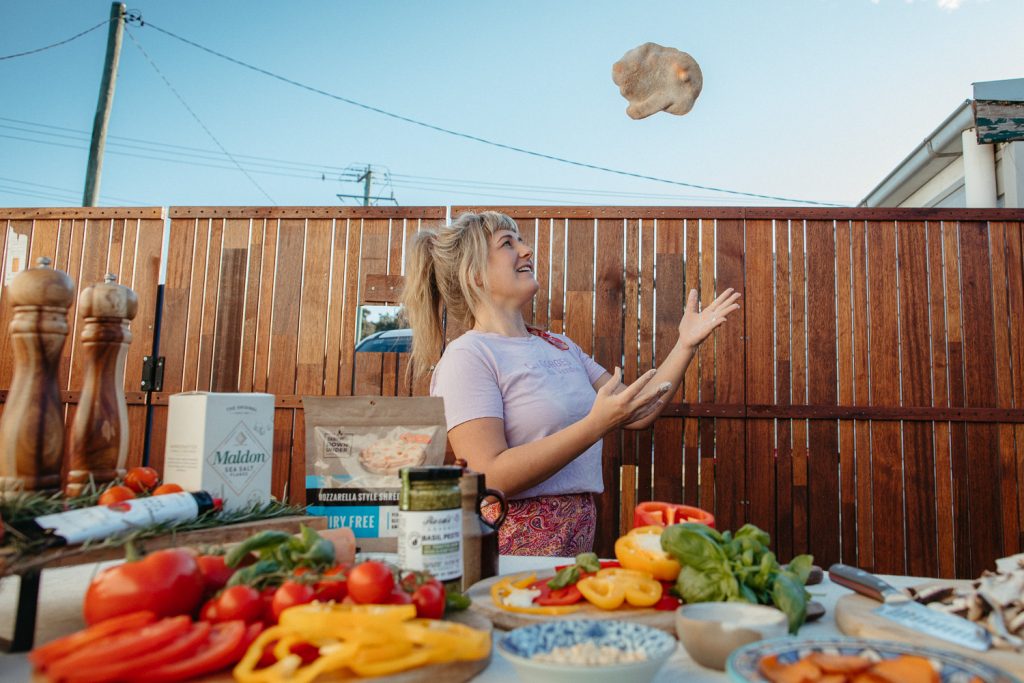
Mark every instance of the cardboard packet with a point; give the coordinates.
(355, 447)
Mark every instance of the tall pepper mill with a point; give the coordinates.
(32, 427)
(99, 432)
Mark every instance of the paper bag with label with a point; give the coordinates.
(355, 447)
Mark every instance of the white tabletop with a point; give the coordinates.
(62, 590)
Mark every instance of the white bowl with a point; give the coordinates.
(522, 645)
(710, 631)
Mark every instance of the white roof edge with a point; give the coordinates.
(948, 132)
(1010, 90)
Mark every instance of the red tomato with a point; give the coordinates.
(370, 582)
(429, 600)
(397, 597)
(141, 479)
(333, 585)
(290, 593)
(167, 583)
(167, 488)
(116, 494)
(237, 603)
(215, 572)
(86, 663)
(569, 595)
(225, 646)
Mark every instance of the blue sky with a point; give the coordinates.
(805, 99)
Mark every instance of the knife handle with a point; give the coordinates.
(861, 581)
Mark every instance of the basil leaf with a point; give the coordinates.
(565, 577)
(588, 562)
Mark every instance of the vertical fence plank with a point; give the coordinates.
(542, 268)
(668, 434)
(556, 306)
(231, 303)
(645, 438)
(608, 304)
(783, 531)
(980, 378)
(759, 309)
(957, 397)
(630, 367)
(915, 364)
(208, 323)
(886, 450)
(798, 323)
(579, 284)
(844, 343)
(823, 446)
(730, 434)
(706, 372)
(691, 382)
(940, 399)
(1015, 296)
(256, 230)
(862, 396)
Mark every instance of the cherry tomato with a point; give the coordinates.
(215, 572)
(397, 597)
(290, 593)
(237, 602)
(370, 582)
(167, 488)
(141, 479)
(116, 494)
(333, 585)
(429, 600)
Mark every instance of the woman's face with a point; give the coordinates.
(510, 275)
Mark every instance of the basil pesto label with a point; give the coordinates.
(432, 542)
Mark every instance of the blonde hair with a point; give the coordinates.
(442, 268)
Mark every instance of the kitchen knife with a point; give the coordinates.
(898, 607)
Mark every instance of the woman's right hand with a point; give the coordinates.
(611, 410)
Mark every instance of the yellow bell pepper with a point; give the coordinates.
(501, 589)
(641, 549)
(611, 587)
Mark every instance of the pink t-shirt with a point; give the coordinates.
(535, 387)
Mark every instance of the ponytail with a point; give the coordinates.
(422, 302)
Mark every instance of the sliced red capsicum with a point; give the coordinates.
(569, 595)
(658, 513)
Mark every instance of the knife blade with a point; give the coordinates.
(898, 607)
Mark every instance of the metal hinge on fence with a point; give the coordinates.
(152, 373)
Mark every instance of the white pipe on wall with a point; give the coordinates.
(979, 172)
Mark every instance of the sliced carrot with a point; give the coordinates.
(840, 664)
(906, 669)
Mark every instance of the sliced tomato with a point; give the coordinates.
(668, 603)
(44, 656)
(569, 595)
(133, 658)
(605, 564)
(225, 646)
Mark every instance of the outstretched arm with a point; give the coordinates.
(694, 328)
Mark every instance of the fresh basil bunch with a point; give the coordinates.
(727, 567)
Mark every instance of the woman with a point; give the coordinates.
(526, 408)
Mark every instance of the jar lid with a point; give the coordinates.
(430, 473)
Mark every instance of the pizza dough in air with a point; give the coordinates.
(656, 78)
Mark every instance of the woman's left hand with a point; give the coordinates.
(697, 325)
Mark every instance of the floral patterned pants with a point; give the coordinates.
(553, 526)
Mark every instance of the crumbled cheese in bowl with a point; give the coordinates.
(589, 654)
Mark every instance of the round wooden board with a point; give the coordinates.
(855, 617)
(484, 606)
(450, 672)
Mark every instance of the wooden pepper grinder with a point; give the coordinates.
(32, 427)
(99, 433)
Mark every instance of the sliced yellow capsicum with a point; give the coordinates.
(611, 587)
(641, 549)
(501, 589)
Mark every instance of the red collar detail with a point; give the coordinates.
(554, 341)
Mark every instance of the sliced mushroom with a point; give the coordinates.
(931, 594)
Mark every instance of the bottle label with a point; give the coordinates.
(78, 526)
(432, 542)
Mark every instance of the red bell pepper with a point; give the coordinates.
(569, 595)
(658, 513)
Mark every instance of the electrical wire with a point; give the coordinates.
(63, 42)
(196, 116)
(474, 138)
(73, 193)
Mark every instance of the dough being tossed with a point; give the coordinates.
(656, 78)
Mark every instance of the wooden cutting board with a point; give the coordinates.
(854, 617)
(450, 672)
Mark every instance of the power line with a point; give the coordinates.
(474, 138)
(71, 192)
(196, 116)
(63, 42)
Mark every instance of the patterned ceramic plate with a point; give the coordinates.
(952, 667)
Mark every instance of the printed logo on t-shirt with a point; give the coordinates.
(555, 366)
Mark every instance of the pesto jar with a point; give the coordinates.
(430, 522)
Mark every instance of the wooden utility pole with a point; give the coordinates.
(368, 180)
(106, 100)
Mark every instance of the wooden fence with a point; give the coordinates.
(866, 404)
